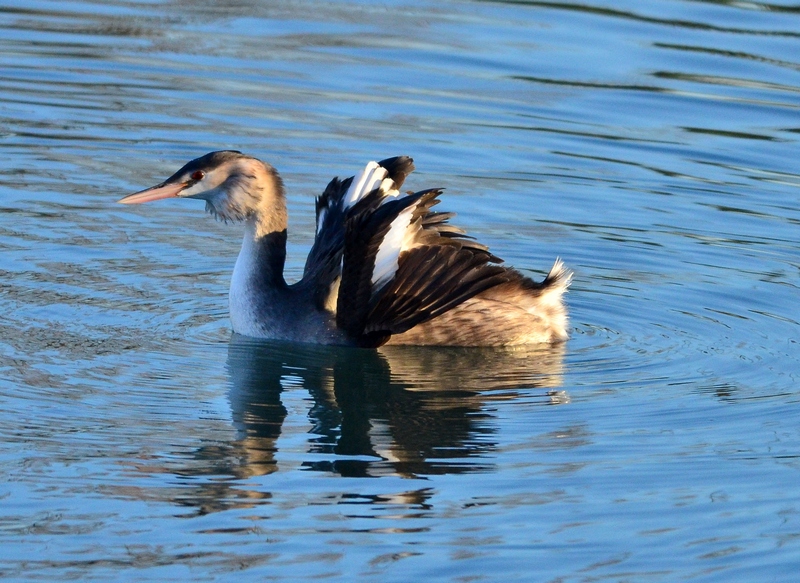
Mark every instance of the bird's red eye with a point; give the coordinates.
(197, 175)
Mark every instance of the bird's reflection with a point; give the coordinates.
(409, 411)
(402, 411)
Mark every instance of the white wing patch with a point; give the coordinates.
(372, 177)
(389, 189)
(321, 219)
(397, 239)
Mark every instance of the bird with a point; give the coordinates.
(384, 267)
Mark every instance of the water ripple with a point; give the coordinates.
(652, 147)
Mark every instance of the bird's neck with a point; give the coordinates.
(262, 257)
(258, 294)
(263, 253)
(257, 284)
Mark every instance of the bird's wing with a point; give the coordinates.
(324, 263)
(405, 264)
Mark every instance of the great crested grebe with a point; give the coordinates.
(384, 267)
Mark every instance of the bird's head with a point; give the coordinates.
(234, 186)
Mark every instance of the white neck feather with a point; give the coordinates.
(241, 297)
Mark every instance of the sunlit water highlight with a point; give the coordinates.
(652, 146)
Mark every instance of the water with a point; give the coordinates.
(653, 146)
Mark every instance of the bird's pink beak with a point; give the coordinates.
(155, 193)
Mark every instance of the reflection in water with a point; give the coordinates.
(405, 410)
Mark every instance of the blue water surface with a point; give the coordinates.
(653, 146)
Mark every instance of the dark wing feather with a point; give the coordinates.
(365, 229)
(324, 261)
(323, 266)
(398, 168)
(438, 268)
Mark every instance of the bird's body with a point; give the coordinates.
(384, 267)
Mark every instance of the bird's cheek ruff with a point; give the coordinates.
(228, 213)
(226, 203)
(235, 200)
